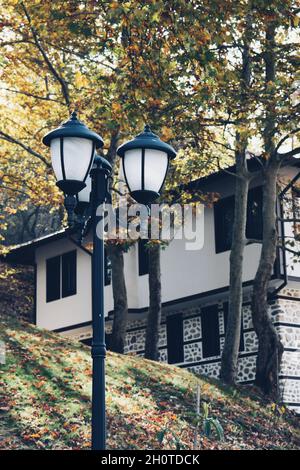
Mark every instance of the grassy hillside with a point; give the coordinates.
(17, 290)
(45, 389)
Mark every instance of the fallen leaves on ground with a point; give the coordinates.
(45, 401)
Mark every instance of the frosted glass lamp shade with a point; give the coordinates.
(145, 164)
(72, 158)
(155, 169)
(132, 169)
(145, 170)
(72, 148)
(83, 198)
(85, 193)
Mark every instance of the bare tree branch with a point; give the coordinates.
(281, 142)
(297, 253)
(10, 188)
(257, 158)
(56, 75)
(227, 171)
(28, 149)
(289, 154)
(227, 147)
(288, 220)
(112, 149)
(44, 98)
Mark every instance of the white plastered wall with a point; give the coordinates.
(184, 273)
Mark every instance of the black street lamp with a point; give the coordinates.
(72, 148)
(83, 177)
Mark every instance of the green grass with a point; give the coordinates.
(45, 401)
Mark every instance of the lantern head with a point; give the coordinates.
(145, 162)
(72, 147)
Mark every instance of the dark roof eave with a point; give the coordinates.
(25, 253)
(253, 165)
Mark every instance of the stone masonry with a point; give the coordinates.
(285, 312)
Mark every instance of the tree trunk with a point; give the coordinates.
(233, 330)
(117, 338)
(154, 314)
(270, 348)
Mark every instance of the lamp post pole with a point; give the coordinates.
(99, 175)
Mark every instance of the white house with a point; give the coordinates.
(194, 288)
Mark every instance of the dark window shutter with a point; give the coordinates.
(107, 269)
(175, 338)
(225, 310)
(53, 278)
(69, 273)
(143, 257)
(254, 214)
(224, 216)
(210, 331)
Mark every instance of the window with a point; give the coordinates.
(254, 214)
(175, 338)
(224, 218)
(69, 273)
(143, 257)
(225, 310)
(210, 331)
(61, 276)
(53, 278)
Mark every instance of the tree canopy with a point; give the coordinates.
(175, 65)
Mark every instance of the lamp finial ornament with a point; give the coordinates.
(147, 128)
(74, 115)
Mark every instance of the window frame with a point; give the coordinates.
(50, 281)
(207, 350)
(175, 340)
(222, 245)
(67, 259)
(61, 290)
(252, 232)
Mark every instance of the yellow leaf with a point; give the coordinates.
(166, 133)
(80, 80)
(10, 210)
(116, 107)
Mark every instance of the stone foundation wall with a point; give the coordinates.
(285, 313)
(286, 316)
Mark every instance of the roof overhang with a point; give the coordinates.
(211, 181)
(25, 252)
